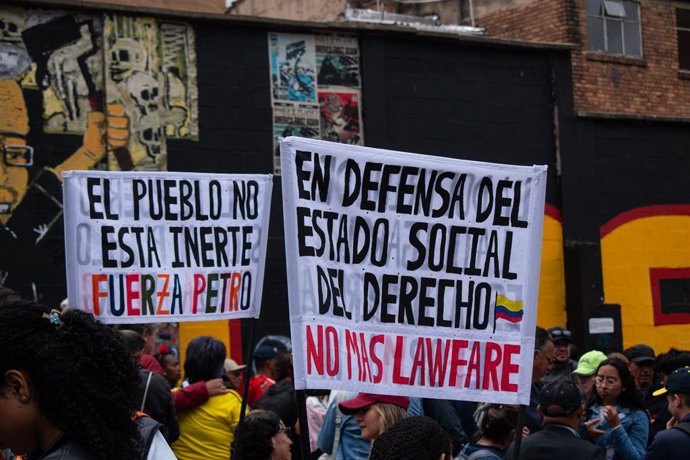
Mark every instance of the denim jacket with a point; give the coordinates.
(630, 440)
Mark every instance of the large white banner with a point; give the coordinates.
(165, 247)
(411, 274)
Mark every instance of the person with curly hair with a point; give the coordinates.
(413, 438)
(263, 437)
(68, 387)
(207, 431)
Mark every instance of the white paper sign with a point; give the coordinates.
(601, 326)
(411, 274)
(165, 247)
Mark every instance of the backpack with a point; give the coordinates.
(148, 428)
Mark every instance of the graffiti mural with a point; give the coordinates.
(151, 73)
(52, 72)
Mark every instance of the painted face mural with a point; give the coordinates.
(117, 86)
(17, 157)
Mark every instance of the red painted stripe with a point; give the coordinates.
(553, 212)
(644, 211)
(501, 315)
(235, 329)
(655, 277)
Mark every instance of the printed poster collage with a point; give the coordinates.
(315, 88)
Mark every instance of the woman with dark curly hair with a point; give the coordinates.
(263, 437)
(413, 438)
(68, 386)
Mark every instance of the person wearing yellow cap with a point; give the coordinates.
(674, 442)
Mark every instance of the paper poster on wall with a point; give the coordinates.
(340, 116)
(301, 120)
(337, 60)
(293, 67)
(411, 274)
(165, 247)
(319, 71)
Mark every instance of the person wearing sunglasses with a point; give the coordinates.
(616, 417)
(563, 366)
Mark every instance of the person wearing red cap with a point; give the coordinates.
(375, 413)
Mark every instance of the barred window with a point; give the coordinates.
(683, 28)
(613, 26)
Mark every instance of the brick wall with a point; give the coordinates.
(296, 10)
(196, 6)
(538, 21)
(603, 83)
(647, 86)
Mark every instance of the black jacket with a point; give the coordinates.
(557, 442)
(281, 399)
(159, 404)
(673, 444)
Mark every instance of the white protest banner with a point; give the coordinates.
(411, 274)
(165, 247)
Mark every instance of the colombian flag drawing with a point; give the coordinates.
(509, 310)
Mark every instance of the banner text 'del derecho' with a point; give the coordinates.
(411, 274)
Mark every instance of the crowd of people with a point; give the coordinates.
(73, 388)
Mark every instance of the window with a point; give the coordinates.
(613, 26)
(683, 27)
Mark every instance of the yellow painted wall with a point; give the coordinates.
(628, 252)
(551, 310)
(216, 329)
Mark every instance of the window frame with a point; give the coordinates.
(605, 18)
(684, 29)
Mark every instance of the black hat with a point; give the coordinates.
(678, 382)
(558, 333)
(560, 398)
(265, 352)
(640, 353)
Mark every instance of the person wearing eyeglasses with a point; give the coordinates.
(544, 359)
(563, 366)
(263, 436)
(616, 417)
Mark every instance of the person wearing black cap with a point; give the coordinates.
(561, 405)
(641, 366)
(674, 442)
(642, 360)
(266, 373)
(563, 366)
